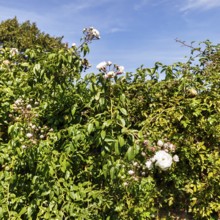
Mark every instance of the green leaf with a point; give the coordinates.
(122, 98)
(122, 122)
(117, 151)
(107, 123)
(112, 173)
(23, 210)
(121, 141)
(90, 128)
(73, 110)
(123, 111)
(103, 134)
(105, 170)
(130, 154)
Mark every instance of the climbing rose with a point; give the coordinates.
(121, 69)
(163, 159)
(14, 51)
(29, 135)
(101, 65)
(110, 74)
(95, 33)
(149, 164)
(131, 172)
(176, 158)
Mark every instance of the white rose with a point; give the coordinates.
(160, 143)
(29, 135)
(28, 106)
(13, 51)
(95, 33)
(131, 172)
(33, 126)
(18, 101)
(125, 184)
(101, 65)
(176, 158)
(23, 147)
(110, 74)
(109, 63)
(143, 154)
(135, 163)
(121, 69)
(6, 62)
(149, 164)
(163, 159)
(172, 147)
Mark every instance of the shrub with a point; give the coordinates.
(108, 146)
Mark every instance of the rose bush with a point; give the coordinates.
(125, 146)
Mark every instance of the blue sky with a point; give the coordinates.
(133, 32)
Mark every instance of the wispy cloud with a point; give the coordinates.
(116, 30)
(141, 4)
(80, 5)
(200, 4)
(23, 15)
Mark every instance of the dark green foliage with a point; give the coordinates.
(26, 35)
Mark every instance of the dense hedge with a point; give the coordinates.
(74, 147)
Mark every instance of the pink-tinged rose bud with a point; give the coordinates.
(153, 149)
(6, 62)
(146, 142)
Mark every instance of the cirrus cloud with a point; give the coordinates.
(200, 4)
